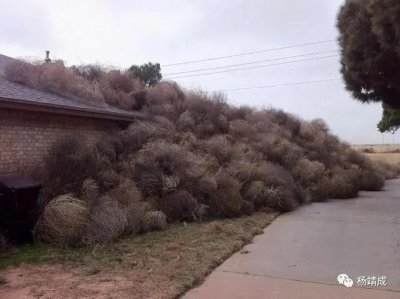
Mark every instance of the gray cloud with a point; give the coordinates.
(25, 24)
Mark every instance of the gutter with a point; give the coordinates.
(17, 104)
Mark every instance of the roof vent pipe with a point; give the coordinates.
(47, 56)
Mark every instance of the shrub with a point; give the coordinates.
(344, 183)
(95, 84)
(166, 99)
(303, 193)
(142, 132)
(356, 158)
(340, 183)
(219, 147)
(109, 148)
(226, 201)
(107, 179)
(186, 122)
(128, 198)
(199, 157)
(70, 161)
(159, 167)
(107, 222)
(273, 174)
(388, 171)
(371, 181)
(53, 77)
(63, 221)
(256, 193)
(247, 208)
(241, 128)
(154, 220)
(280, 199)
(322, 190)
(241, 113)
(308, 172)
(206, 185)
(125, 193)
(189, 142)
(241, 170)
(180, 205)
(3, 243)
(90, 192)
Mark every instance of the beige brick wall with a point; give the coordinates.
(25, 137)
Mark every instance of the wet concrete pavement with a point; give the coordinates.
(301, 253)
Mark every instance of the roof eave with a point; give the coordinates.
(65, 110)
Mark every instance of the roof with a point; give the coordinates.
(18, 96)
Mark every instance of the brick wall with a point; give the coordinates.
(25, 137)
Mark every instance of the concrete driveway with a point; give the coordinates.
(301, 253)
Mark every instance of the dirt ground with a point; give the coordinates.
(162, 264)
(57, 281)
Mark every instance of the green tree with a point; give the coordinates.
(370, 47)
(149, 73)
(390, 121)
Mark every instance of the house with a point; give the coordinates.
(32, 120)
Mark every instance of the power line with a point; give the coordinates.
(248, 53)
(253, 67)
(283, 84)
(248, 63)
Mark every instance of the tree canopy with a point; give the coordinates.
(390, 121)
(370, 47)
(149, 73)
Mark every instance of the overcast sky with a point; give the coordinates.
(122, 33)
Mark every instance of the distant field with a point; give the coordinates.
(392, 158)
(378, 148)
(387, 153)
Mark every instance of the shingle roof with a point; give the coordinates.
(20, 95)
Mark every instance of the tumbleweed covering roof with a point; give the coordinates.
(18, 96)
